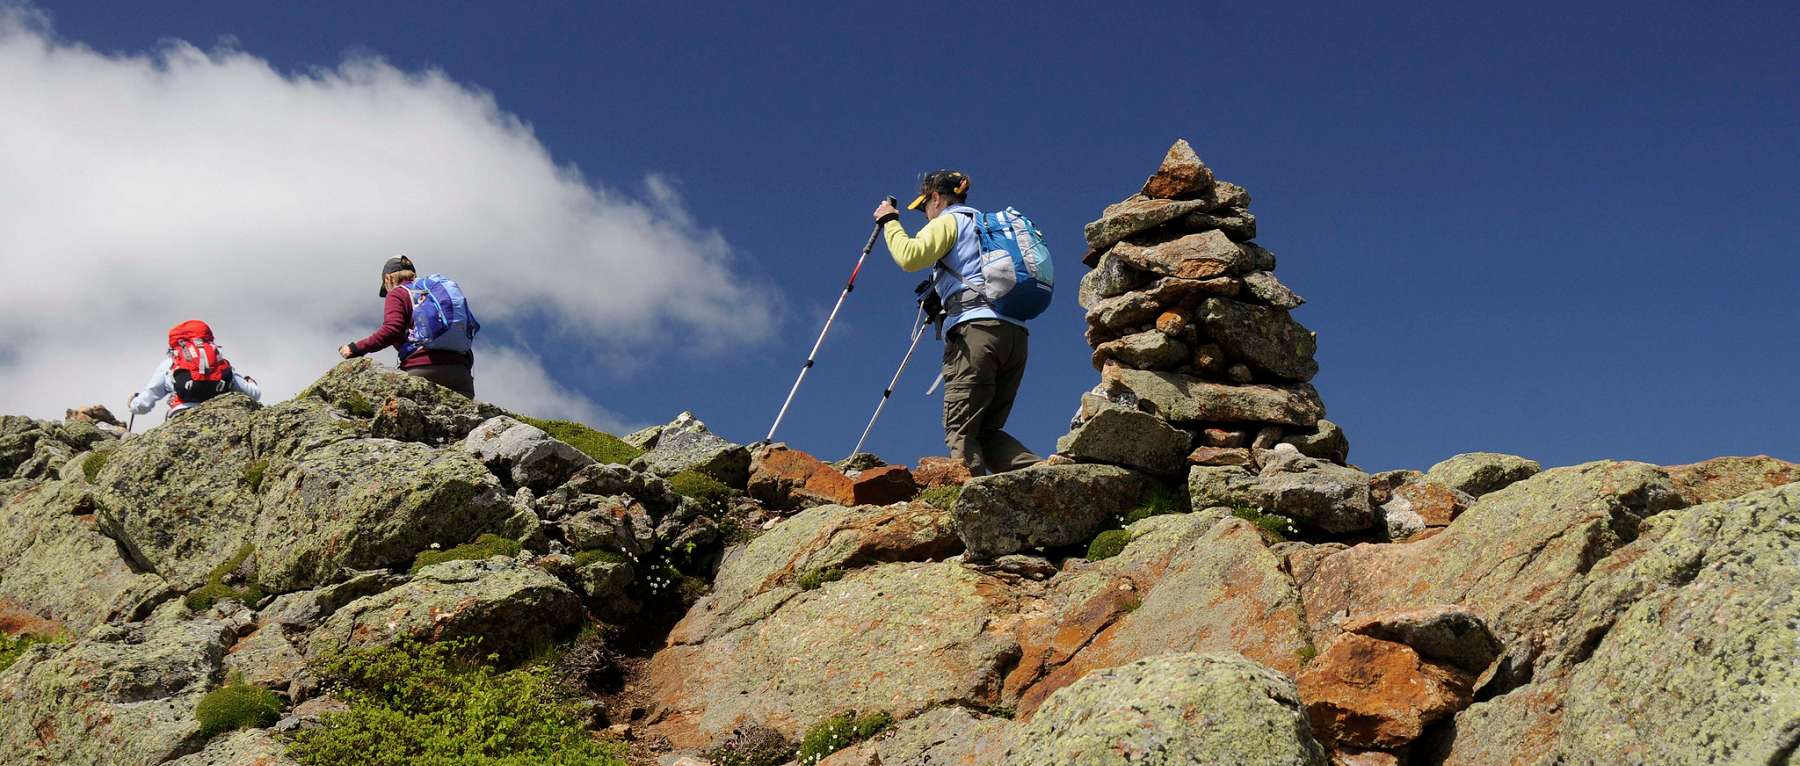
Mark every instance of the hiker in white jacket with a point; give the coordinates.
(193, 372)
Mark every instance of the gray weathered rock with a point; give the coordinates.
(606, 480)
(1325, 496)
(1130, 439)
(612, 522)
(1479, 473)
(123, 695)
(1441, 632)
(250, 747)
(56, 566)
(686, 444)
(1044, 506)
(1268, 339)
(1150, 350)
(1263, 286)
(511, 606)
(1237, 223)
(1181, 398)
(397, 405)
(1120, 313)
(1228, 486)
(303, 610)
(1176, 708)
(1326, 442)
(1195, 256)
(946, 735)
(269, 657)
(523, 454)
(1109, 277)
(1135, 215)
(606, 584)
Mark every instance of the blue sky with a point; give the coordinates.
(1567, 233)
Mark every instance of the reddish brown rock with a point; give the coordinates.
(788, 478)
(93, 413)
(1171, 323)
(1437, 504)
(1363, 758)
(884, 485)
(938, 471)
(1219, 456)
(1723, 478)
(1223, 437)
(1203, 256)
(1181, 174)
(1367, 693)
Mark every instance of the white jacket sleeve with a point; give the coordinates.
(246, 386)
(158, 387)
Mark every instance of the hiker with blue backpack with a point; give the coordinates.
(992, 273)
(428, 321)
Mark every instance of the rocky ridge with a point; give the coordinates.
(1198, 576)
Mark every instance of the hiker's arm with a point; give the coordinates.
(154, 390)
(918, 253)
(394, 317)
(246, 385)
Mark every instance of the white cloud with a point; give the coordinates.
(140, 190)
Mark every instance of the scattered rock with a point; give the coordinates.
(1044, 506)
(1479, 473)
(1326, 442)
(509, 605)
(1268, 339)
(397, 405)
(1196, 256)
(945, 735)
(524, 455)
(1181, 398)
(1135, 215)
(1181, 174)
(1175, 708)
(886, 485)
(1364, 692)
(56, 566)
(687, 444)
(1264, 287)
(1724, 478)
(940, 471)
(1443, 633)
(250, 747)
(1150, 350)
(93, 413)
(1227, 486)
(1109, 277)
(788, 478)
(1129, 439)
(1325, 496)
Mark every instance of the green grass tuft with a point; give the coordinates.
(91, 465)
(358, 405)
(701, 487)
(1307, 654)
(435, 705)
(838, 732)
(1108, 544)
(11, 647)
(237, 705)
(485, 547)
(942, 497)
(813, 579)
(1277, 528)
(1162, 501)
(603, 447)
(215, 589)
(253, 474)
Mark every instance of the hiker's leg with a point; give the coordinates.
(455, 377)
(999, 450)
(969, 368)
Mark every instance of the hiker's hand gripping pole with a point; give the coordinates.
(848, 286)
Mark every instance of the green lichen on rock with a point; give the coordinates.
(813, 579)
(216, 590)
(603, 447)
(485, 546)
(838, 732)
(13, 646)
(91, 465)
(942, 496)
(1108, 544)
(433, 704)
(237, 705)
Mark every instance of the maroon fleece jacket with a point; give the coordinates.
(396, 319)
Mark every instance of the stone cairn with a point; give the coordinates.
(1201, 363)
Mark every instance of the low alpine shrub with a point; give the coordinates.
(1108, 544)
(813, 579)
(700, 486)
(436, 705)
(237, 705)
(752, 746)
(485, 547)
(1161, 501)
(838, 732)
(603, 447)
(1278, 528)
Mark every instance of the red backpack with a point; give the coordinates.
(199, 370)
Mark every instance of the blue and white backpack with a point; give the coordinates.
(1018, 278)
(441, 318)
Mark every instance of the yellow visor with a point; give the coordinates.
(918, 203)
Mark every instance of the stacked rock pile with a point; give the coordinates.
(1189, 323)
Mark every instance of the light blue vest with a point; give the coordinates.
(960, 303)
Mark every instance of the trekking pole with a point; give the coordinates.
(918, 332)
(934, 384)
(128, 423)
(810, 356)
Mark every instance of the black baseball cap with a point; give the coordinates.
(396, 263)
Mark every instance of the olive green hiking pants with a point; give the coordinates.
(984, 362)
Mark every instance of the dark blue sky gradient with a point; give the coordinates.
(1565, 233)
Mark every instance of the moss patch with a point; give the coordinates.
(943, 496)
(597, 555)
(1108, 544)
(813, 579)
(237, 705)
(1162, 501)
(253, 475)
(700, 486)
(838, 732)
(11, 647)
(91, 465)
(215, 589)
(603, 447)
(433, 704)
(485, 547)
(358, 405)
(1276, 528)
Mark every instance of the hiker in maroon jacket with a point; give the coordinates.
(451, 369)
